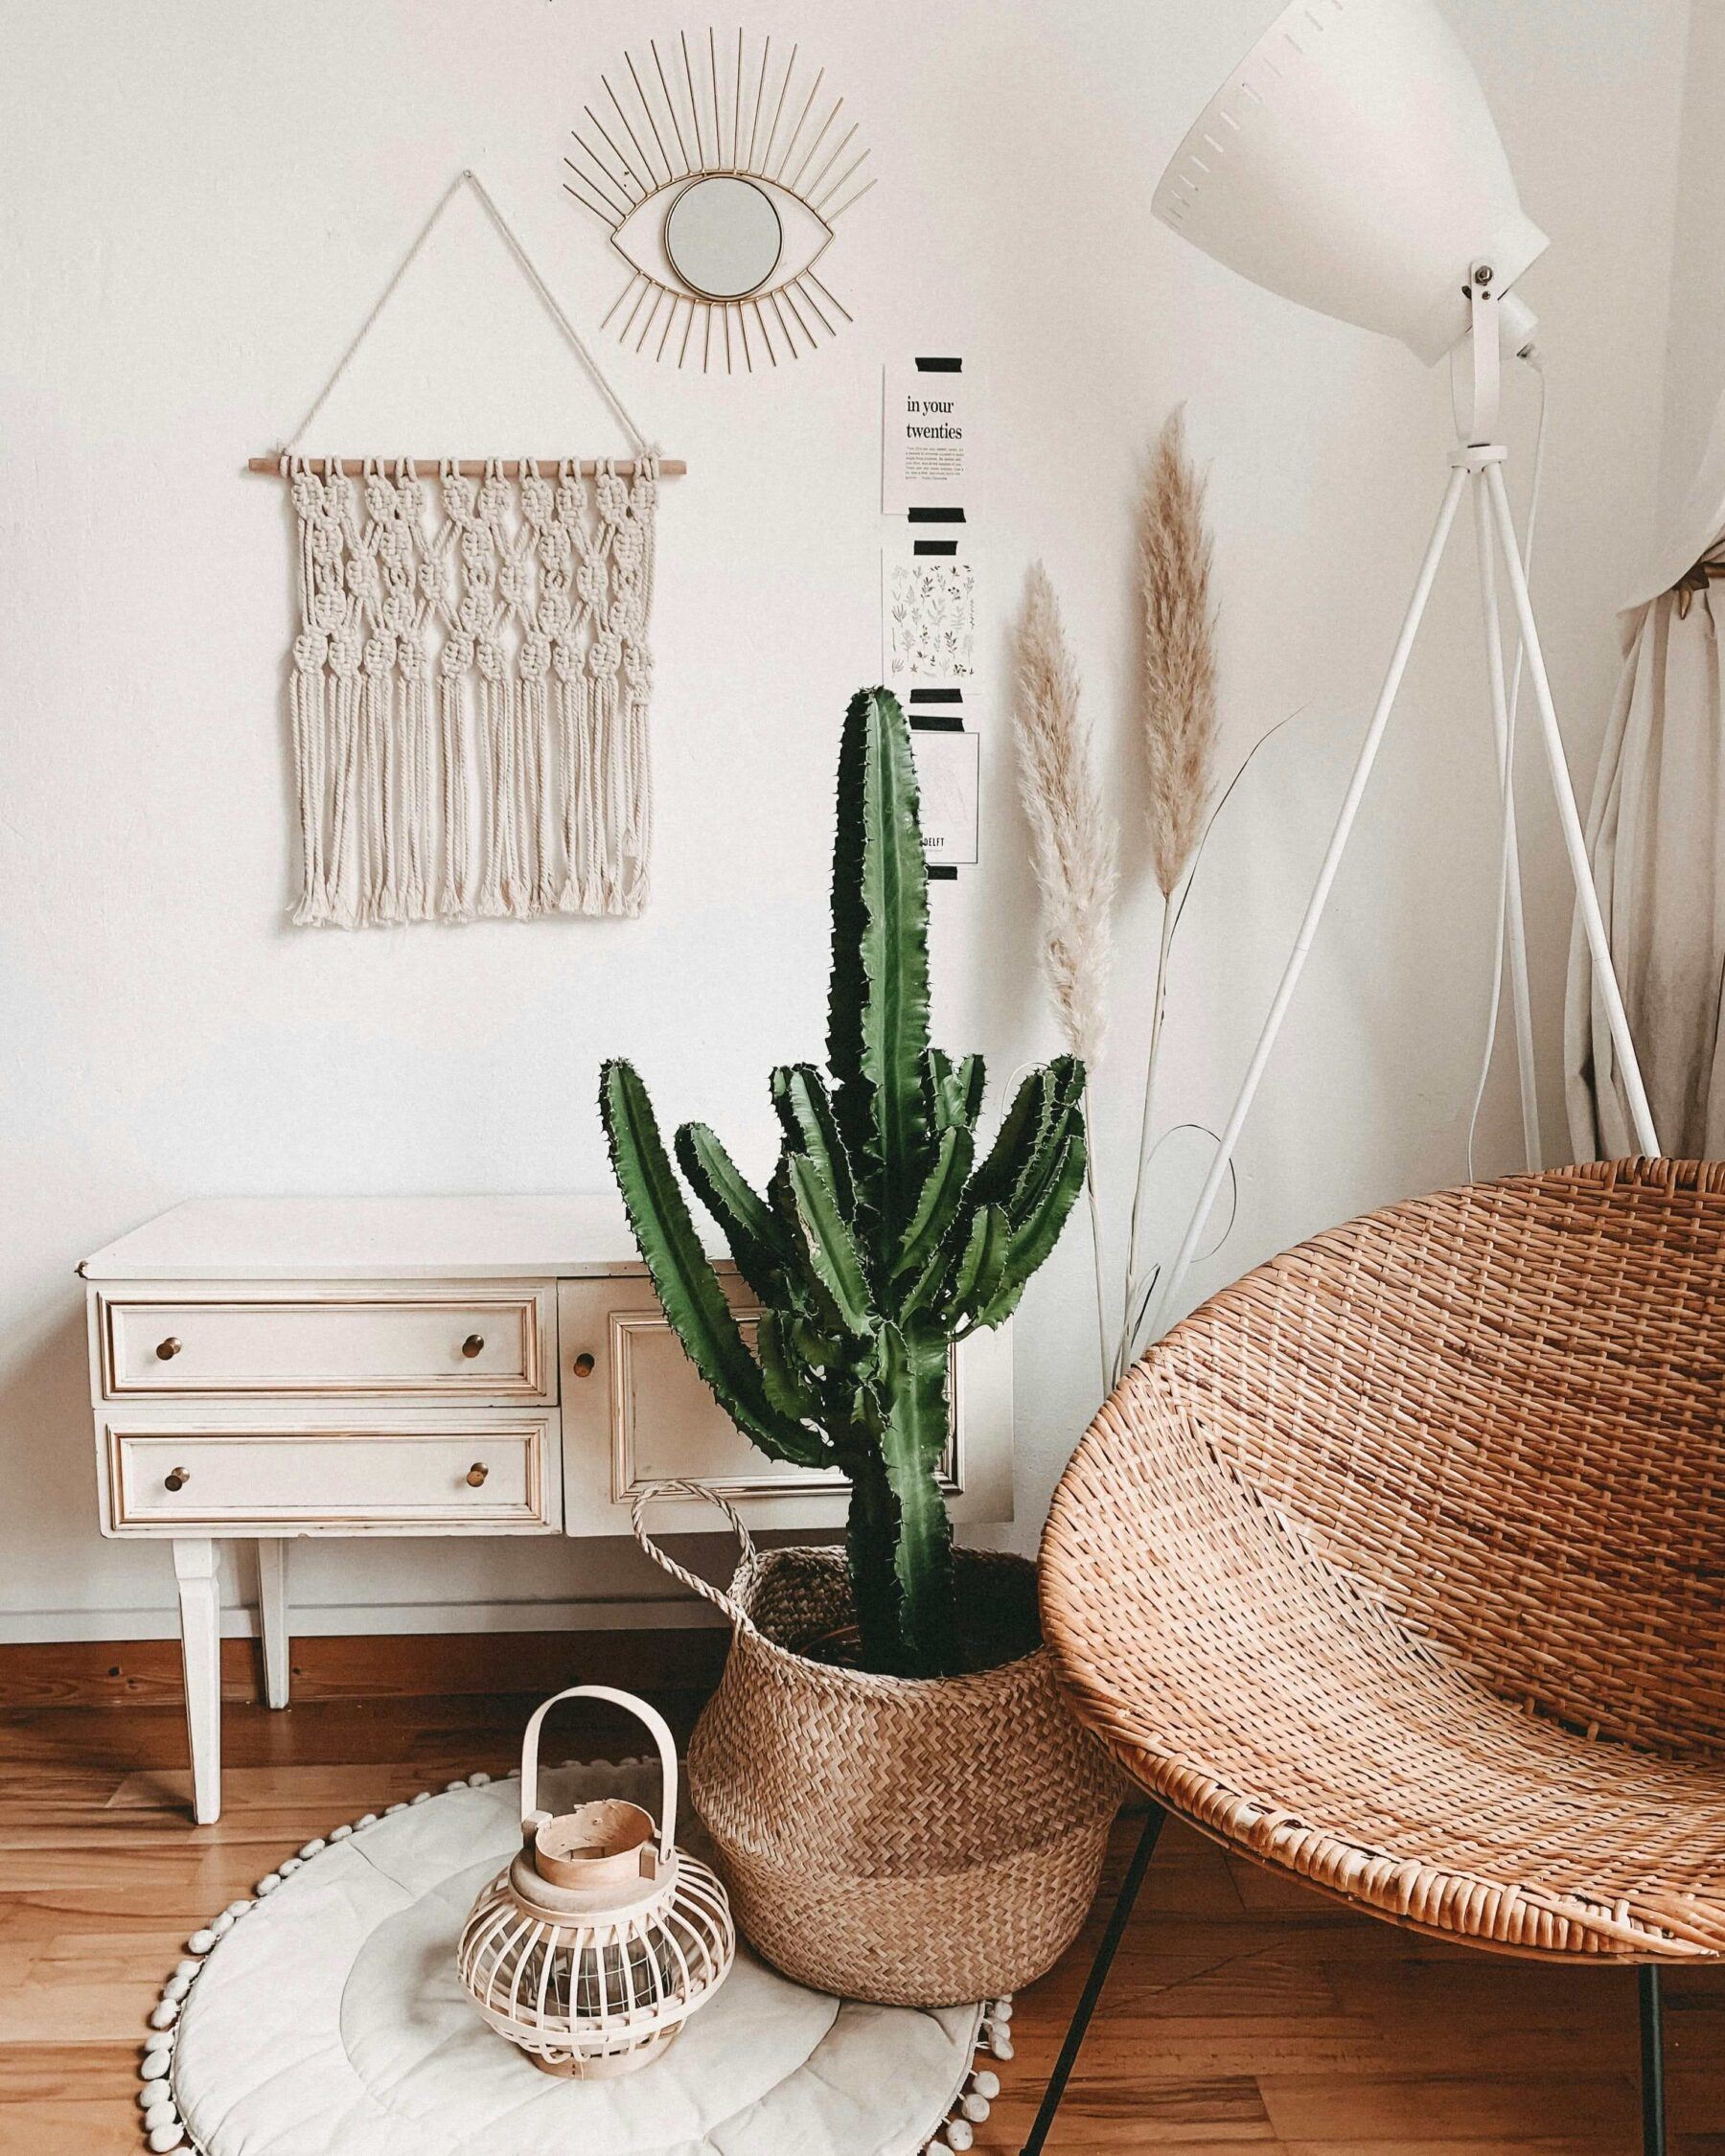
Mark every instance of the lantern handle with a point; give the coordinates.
(533, 1818)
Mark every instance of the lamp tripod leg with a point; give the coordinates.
(1574, 842)
(1515, 935)
(1169, 1283)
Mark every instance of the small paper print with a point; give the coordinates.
(947, 776)
(930, 620)
(927, 429)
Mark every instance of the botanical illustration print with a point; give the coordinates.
(932, 620)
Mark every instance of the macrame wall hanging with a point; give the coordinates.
(469, 680)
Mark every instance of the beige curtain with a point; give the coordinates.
(1656, 837)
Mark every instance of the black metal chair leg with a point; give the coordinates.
(1093, 1983)
(1652, 2061)
(1652, 2014)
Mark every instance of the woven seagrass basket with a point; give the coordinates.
(909, 1841)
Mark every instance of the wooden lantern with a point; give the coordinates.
(602, 1938)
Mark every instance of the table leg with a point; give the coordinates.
(272, 1616)
(201, 1644)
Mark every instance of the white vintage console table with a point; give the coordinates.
(268, 1368)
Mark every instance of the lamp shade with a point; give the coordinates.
(1351, 163)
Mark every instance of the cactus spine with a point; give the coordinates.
(884, 1235)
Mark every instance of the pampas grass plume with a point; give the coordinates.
(1074, 838)
(1177, 675)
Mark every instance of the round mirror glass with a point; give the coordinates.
(722, 237)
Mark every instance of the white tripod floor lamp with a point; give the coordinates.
(1351, 163)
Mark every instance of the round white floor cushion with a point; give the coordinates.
(329, 2022)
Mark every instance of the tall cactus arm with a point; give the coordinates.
(981, 1264)
(915, 1420)
(1042, 1166)
(805, 1111)
(804, 1288)
(1032, 1239)
(877, 1014)
(957, 1089)
(832, 1248)
(1066, 1085)
(791, 1386)
(1041, 1117)
(1027, 1200)
(685, 1280)
(871, 1547)
(748, 1224)
(817, 1350)
(927, 1293)
(1021, 1128)
(937, 1208)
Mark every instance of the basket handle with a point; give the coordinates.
(675, 1486)
(532, 1816)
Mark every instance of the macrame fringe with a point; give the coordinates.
(522, 785)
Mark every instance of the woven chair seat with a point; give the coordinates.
(1401, 1565)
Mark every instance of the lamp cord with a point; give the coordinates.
(1508, 776)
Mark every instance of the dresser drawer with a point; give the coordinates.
(495, 1344)
(434, 1478)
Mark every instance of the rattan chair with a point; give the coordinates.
(1400, 1566)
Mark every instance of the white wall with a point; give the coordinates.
(201, 200)
(1696, 360)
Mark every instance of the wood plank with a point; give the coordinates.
(1247, 2016)
(1480, 2105)
(366, 1667)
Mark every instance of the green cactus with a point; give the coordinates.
(881, 1238)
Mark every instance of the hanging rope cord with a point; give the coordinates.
(467, 177)
(1509, 793)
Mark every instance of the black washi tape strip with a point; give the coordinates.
(936, 722)
(935, 516)
(942, 872)
(940, 366)
(937, 696)
(934, 547)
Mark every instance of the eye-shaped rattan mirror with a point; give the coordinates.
(722, 172)
(722, 237)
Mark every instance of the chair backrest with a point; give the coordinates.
(1501, 1409)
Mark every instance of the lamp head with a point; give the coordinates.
(1351, 162)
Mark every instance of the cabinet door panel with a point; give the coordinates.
(634, 1412)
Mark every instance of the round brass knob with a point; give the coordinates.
(477, 1474)
(584, 1365)
(177, 1478)
(167, 1349)
(473, 1345)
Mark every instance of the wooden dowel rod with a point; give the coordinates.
(470, 468)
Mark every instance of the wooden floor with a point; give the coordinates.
(1245, 2015)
